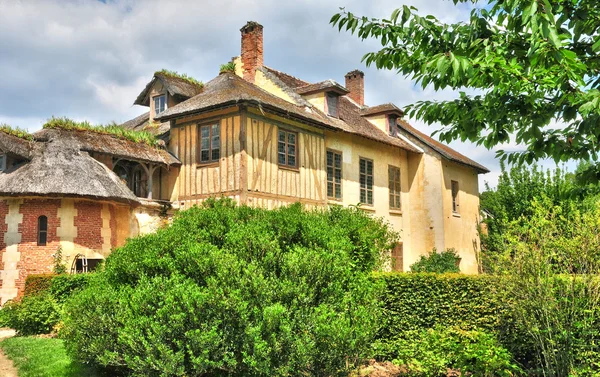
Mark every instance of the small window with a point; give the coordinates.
(2, 162)
(398, 257)
(334, 175)
(287, 149)
(210, 143)
(394, 186)
(42, 231)
(366, 181)
(160, 104)
(83, 265)
(455, 203)
(392, 125)
(332, 104)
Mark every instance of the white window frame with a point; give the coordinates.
(158, 98)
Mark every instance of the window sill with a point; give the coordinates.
(396, 212)
(338, 202)
(367, 207)
(455, 214)
(290, 168)
(208, 165)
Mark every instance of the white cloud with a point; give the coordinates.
(89, 60)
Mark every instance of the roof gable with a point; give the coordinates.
(177, 86)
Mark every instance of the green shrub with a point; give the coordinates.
(229, 290)
(32, 315)
(431, 352)
(444, 262)
(63, 286)
(37, 283)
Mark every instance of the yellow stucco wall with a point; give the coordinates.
(461, 229)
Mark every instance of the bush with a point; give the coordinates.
(32, 315)
(432, 352)
(37, 283)
(446, 261)
(63, 286)
(229, 290)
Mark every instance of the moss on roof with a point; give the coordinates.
(227, 67)
(111, 129)
(178, 75)
(15, 131)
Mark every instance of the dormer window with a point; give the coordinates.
(2, 162)
(160, 104)
(332, 104)
(392, 125)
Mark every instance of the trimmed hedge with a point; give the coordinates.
(37, 283)
(418, 301)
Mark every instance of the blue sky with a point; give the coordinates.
(90, 59)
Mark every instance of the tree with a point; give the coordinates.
(511, 204)
(530, 64)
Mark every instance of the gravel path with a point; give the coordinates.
(7, 368)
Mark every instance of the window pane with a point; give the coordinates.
(363, 196)
(291, 160)
(369, 167)
(291, 138)
(362, 166)
(205, 144)
(216, 154)
(329, 158)
(329, 189)
(281, 135)
(42, 239)
(281, 158)
(291, 149)
(281, 147)
(330, 174)
(338, 160)
(216, 130)
(370, 197)
(338, 191)
(369, 181)
(338, 176)
(205, 156)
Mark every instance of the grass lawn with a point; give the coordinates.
(40, 357)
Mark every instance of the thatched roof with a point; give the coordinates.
(15, 145)
(90, 141)
(229, 89)
(177, 87)
(142, 123)
(58, 168)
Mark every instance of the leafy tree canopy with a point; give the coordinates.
(530, 64)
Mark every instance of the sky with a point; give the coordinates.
(89, 59)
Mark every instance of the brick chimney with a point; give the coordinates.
(252, 49)
(355, 83)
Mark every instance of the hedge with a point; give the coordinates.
(37, 283)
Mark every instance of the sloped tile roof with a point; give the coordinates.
(442, 149)
(230, 89)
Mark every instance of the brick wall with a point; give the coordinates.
(89, 225)
(37, 259)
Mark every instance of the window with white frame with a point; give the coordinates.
(160, 104)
